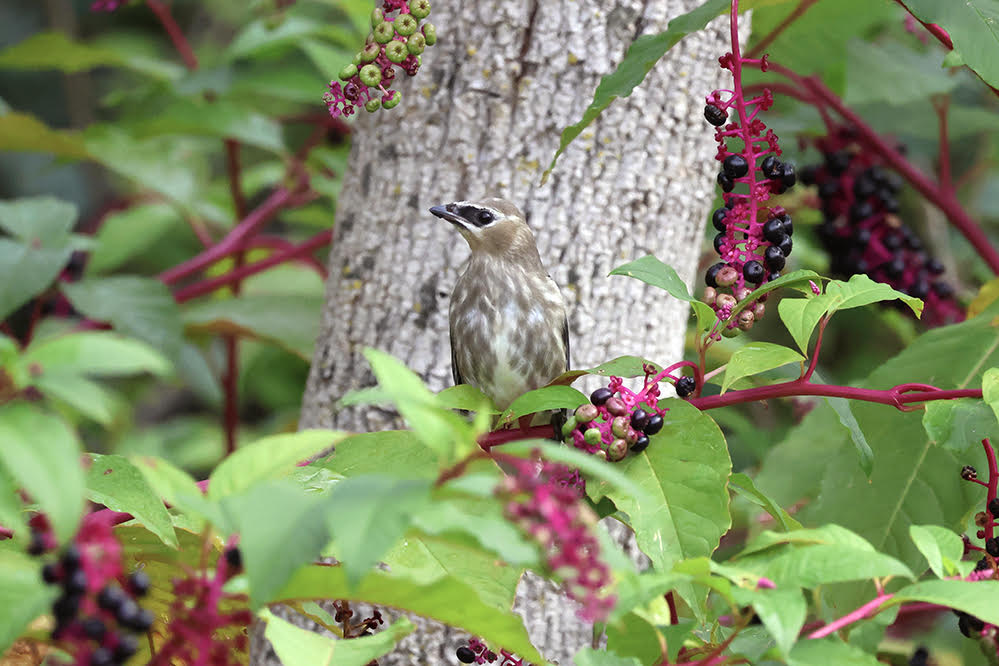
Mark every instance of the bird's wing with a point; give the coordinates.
(455, 373)
(565, 340)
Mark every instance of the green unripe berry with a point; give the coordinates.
(372, 105)
(406, 25)
(619, 426)
(731, 332)
(586, 413)
(348, 72)
(396, 51)
(430, 33)
(393, 101)
(377, 17)
(371, 75)
(384, 32)
(569, 426)
(593, 437)
(416, 43)
(356, 60)
(617, 450)
(370, 52)
(420, 9)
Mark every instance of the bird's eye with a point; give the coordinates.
(484, 217)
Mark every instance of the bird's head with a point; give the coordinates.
(492, 226)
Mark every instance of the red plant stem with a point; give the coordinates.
(174, 32)
(6, 533)
(279, 244)
(932, 28)
(230, 388)
(497, 437)
(800, 387)
(292, 252)
(990, 495)
(870, 608)
(674, 617)
(940, 105)
(235, 187)
(802, 7)
(815, 352)
(233, 242)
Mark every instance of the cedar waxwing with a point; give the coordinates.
(509, 331)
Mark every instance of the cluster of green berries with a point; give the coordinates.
(97, 618)
(397, 39)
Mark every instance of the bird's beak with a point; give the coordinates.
(443, 213)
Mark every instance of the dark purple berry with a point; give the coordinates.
(787, 176)
(601, 395)
(773, 276)
(138, 583)
(994, 507)
(895, 268)
(234, 557)
(101, 657)
(65, 607)
(709, 276)
(920, 289)
(111, 597)
(861, 237)
(126, 647)
(788, 224)
(860, 211)
(920, 657)
(725, 182)
(93, 628)
(71, 557)
(465, 654)
(76, 582)
(982, 564)
(864, 187)
(828, 189)
(770, 166)
(685, 386)
(809, 175)
(655, 423)
(638, 418)
(892, 181)
(943, 289)
(912, 241)
(754, 272)
(773, 230)
(735, 166)
(992, 546)
(640, 444)
(934, 266)
(837, 162)
(127, 612)
(719, 241)
(141, 622)
(785, 245)
(50, 573)
(774, 258)
(892, 241)
(715, 116)
(37, 545)
(718, 218)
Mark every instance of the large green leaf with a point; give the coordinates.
(893, 74)
(295, 646)
(757, 357)
(54, 50)
(119, 485)
(542, 399)
(941, 547)
(23, 595)
(391, 452)
(43, 455)
(685, 471)
(128, 233)
(42, 221)
(972, 26)
(220, 118)
(958, 425)
(100, 353)
(445, 600)
(24, 132)
(976, 598)
(651, 270)
(743, 485)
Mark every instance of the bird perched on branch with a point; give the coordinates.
(509, 331)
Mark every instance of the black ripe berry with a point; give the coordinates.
(969, 473)
(465, 654)
(735, 166)
(141, 622)
(718, 218)
(111, 597)
(138, 583)
(788, 224)
(234, 558)
(601, 395)
(71, 557)
(37, 545)
(653, 425)
(709, 279)
(127, 612)
(638, 418)
(715, 116)
(969, 625)
(725, 182)
(770, 166)
(101, 657)
(943, 289)
(773, 230)
(64, 608)
(93, 628)
(640, 444)
(994, 507)
(76, 582)
(754, 272)
(126, 647)
(920, 657)
(685, 386)
(785, 245)
(861, 211)
(50, 573)
(992, 546)
(787, 176)
(837, 162)
(775, 258)
(920, 289)
(934, 266)
(719, 240)
(982, 564)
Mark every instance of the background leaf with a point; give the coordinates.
(119, 485)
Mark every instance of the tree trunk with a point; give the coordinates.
(483, 117)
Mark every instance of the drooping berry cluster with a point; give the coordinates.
(862, 230)
(396, 39)
(617, 419)
(97, 618)
(477, 652)
(550, 510)
(208, 626)
(363, 627)
(753, 240)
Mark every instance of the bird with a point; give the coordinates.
(507, 320)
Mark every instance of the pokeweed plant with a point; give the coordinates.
(839, 544)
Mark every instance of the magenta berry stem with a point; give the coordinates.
(990, 455)
(800, 387)
(872, 607)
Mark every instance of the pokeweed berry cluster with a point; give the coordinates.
(618, 419)
(96, 614)
(863, 232)
(477, 652)
(544, 500)
(106, 5)
(208, 626)
(396, 38)
(753, 240)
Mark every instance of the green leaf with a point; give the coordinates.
(43, 455)
(280, 529)
(591, 657)
(635, 636)
(757, 357)
(368, 514)
(958, 425)
(23, 132)
(972, 28)
(119, 485)
(467, 397)
(622, 366)
(295, 646)
(44, 221)
(265, 459)
(23, 595)
(891, 73)
(743, 485)
(126, 234)
(136, 306)
(990, 389)
(941, 547)
(100, 353)
(88, 398)
(651, 271)
(641, 57)
(801, 280)
(219, 118)
(444, 600)
(543, 399)
(847, 419)
(399, 453)
(782, 611)
(820, 564)
(685, 471)
(825, 651)
(292, 323)
(169, 482)
(26, 271)
(54, 50)
(263, 34)
(973, 597)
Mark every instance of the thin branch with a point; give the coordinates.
(941, 105)
(872, 607)
(814, 361)
(175, 34)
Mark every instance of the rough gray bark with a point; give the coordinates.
(483, 117)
